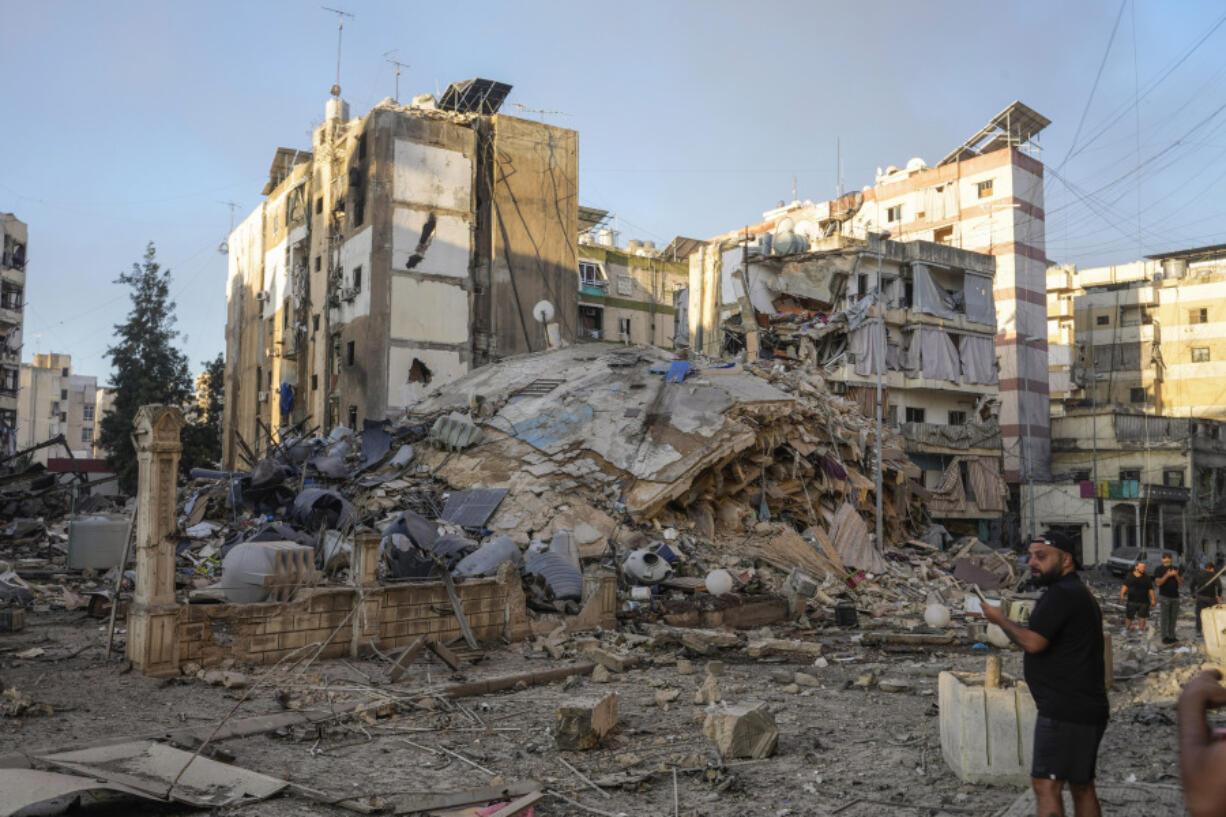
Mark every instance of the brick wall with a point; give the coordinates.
(392, 616)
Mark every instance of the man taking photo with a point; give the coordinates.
(1063, 667)
(1168, 579)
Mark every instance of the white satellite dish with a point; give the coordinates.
(543, 311)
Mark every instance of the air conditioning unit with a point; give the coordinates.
(262, 296)
(262, 396)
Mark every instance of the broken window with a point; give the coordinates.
(862, 284)
(362, 147)
(1136, 395)
(1102, 320)
(957, 418)
(63, 394)
(984, 189)
(353, 417)
(315, 322)
(914, 415)
(87, 434)
(1200, 354)
(336, 359)
(1173, 477)
(1130, 474)
(314, 382)
(349, 353)
(64, 372)
(1198, 315)
(419, 372)
(357, 279)
(944, 235)
(623, 327)
(319, 208)
(894, 213)
(318, 263)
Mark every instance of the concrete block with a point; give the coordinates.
(742, 731)
(987, 735)
(708, 692)
(805, 651)
(1213, 625)
(610, 661)
(583, 723)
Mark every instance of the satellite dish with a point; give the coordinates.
(543, 311)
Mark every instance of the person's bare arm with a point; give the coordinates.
(1123, 592)
(1024, 637)
(1161, 580)
(1153, 602)
(1202, 760)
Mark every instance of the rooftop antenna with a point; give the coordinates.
(398, 65)
(522, 108)
(224, 246)
(340, 29)
(795, 184)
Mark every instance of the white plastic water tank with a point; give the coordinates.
(336, 108)
(606, 237)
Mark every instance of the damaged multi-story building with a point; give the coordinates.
(405, 248)
(12, 310)
(629, 293)
(915, 320)
(55, 401)
(986, 196)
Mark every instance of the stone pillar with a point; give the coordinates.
(363, 574)
(153, 617)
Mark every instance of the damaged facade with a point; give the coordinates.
(629, 294)
(918, 314)
(14, 235)
(406, 248)
(986, 196)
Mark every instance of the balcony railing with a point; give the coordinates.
(961, 437)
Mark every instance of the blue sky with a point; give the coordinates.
(126, 122)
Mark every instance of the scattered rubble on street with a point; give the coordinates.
(580, 581)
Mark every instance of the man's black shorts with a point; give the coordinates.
(1136, 609)
(1066, 751)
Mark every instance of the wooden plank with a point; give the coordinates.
(517, 805)
(471, 688)
(445, 655)
(406, 657)
(427, 801)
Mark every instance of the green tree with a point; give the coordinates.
(146, 365)
(202, 436)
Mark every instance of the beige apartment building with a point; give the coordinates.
(407, 247)
(1149, 336)
(12, 311)
(628, 294)
(985, 196)
(52, 401)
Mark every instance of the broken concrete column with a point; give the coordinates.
(1213, 627)
(583, 723)
(987, 734)
(742, 731)
(153, 616)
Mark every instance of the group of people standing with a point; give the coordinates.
(1137, 594)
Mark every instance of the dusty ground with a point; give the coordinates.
(843, 749)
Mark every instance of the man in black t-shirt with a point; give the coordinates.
(1206, 589)
(1137, 594)
(1168, 579)
(1064, 668)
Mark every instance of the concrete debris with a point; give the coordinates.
(742, 731)
(583, 724)
(708, 692)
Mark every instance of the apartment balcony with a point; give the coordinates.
(923, 438)
(10, 317)
(593, 288)
(8, 399)
(895, 379)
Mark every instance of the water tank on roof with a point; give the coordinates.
(1175, 267)
(606, 237)
(916, 164)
